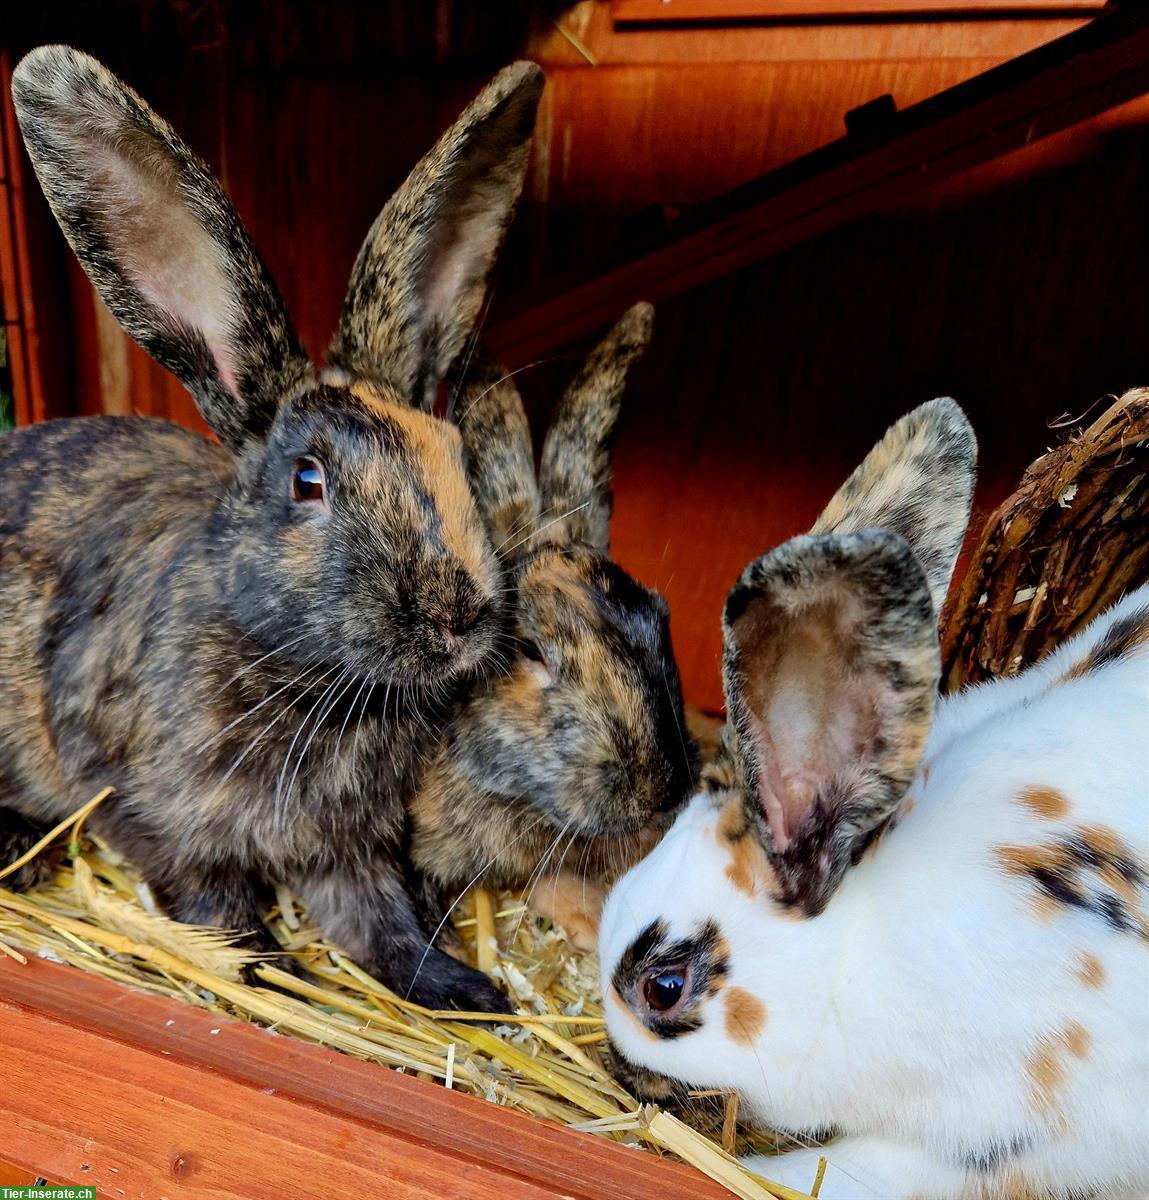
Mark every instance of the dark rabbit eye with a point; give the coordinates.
(307, 484)
(531, 652)
(536, 663)
(662, 991)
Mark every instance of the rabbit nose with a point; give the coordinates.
(452, 639)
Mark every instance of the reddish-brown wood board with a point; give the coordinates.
(146, 1097)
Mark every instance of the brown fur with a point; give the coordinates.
(256, 677)
(1086, 868)
(1090, 970)
(1045, 802)
(745, 1016)
(449, 217)
(576, 755)
(1048, 1068)
(574, 902)
(1125, 638)
(830, 661)
(831, 669)
(749, 869)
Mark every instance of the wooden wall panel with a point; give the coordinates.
(1017, 288)
(763, 390)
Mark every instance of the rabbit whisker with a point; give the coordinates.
(247, 712)
(537, 874)
(509, 375)
(677, 725)
(347, 715)
(336, 690)
(542, 528)
(298, 733)
(281, 715)
(468, 354)
(359, 722)
(262, 658)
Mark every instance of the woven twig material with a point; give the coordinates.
(1069, 542)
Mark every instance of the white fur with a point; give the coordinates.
(905, 1013)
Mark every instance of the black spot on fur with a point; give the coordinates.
(992, 1156)
(703, 954)
(1121, 639)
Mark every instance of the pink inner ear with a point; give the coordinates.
(808, 724)
(162, 247)
(771, 790)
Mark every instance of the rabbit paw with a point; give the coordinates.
(17, 836)
(444, 982)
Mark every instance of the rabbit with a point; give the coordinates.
(919, 922)
(578, 752)
(251, 640)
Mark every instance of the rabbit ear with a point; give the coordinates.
(500, 460)
(575, 474)
(918, 481)
(159, 240)
(419, 281)
(830, 665)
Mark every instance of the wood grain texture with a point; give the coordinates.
(166, 1086)
(1042, 93)
(1019, 286)
(906, 40)
(662, 11)
(11, 1176)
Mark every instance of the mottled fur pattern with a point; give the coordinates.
(436, 239)
(257, 677)
(832, 635)
(917, 481)
(827, 640)
(967, 1004)
(575, 470)
(578, 753)
(109, 167)
(500, 459)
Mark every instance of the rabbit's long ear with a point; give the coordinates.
(918, 481)
(830, 665)
(500, 460)
(419, 281)
(575, 473)
(159, 240)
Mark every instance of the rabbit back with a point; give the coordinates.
(80, 565)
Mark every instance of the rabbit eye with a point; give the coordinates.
(307, 484)
(664, 989)
(532, 653)
(536, 663)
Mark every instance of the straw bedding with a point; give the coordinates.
(550, 1061)
(1067, 543)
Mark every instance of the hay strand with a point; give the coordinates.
(548, 1060)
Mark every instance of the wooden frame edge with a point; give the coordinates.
(56, 1021)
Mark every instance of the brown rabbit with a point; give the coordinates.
(249, 641)
(578, 753)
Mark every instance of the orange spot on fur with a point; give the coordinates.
(1046, 802)
(745, 1016)
(1090, 971)
(1076, 1038)
(1047, 1068)
(748, 869)
(1024, 860)
(1046, 1071)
